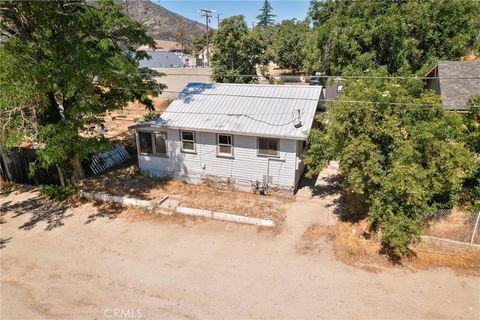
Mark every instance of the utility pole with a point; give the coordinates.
(126, 7)
(207, 14)
(218, 20)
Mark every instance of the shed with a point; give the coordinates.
(249, 136)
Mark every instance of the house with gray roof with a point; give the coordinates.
(249, 136)
(455, 82)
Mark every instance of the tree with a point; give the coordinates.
(405, 36)
(236, 51)
(402, 153)
(288, 43)
(199, 42)
(63, 64)
(181, 35)
(265, 18)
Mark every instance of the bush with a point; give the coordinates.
(58, 193)
(398, 231)
(403, 154)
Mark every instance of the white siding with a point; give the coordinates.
(245, 166)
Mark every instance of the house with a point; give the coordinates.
(160, 59)
(455, 82)
(163, 46)
(206, 55)
(248, 136)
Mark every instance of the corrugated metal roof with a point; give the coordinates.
(248, 109)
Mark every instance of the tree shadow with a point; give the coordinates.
(333, 186)
(105, 210)
(4, 241)
(40, 210)
(350, 207)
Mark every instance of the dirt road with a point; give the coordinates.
(90, 267)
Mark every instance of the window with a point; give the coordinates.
(224, 145)
(145, 142)
(188, 141)
(160, 143)
(268, 147)
(152, 143)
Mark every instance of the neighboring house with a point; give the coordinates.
(204, 56)
(249, 136)
(455, 82)
(160, 59)
(163, 46)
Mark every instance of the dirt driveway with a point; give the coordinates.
(77, 264)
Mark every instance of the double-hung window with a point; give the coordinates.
(225, 145)
(268, 147)
(152, 143)
(188, 141)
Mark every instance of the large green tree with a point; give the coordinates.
(399, 150)
(63, 64)
(288, 42)
(236, 51)
(405, 36)
(265, 18)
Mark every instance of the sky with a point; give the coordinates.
(283, 9)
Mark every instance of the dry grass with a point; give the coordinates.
(129, 182)
(118, 121)
(458, 226)
(354, 245)
(315, 239)
(464, 263)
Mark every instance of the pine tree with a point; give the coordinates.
(265, 18)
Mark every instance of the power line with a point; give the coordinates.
(340, 77)
(288, 98)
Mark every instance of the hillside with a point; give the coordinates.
(162, 23)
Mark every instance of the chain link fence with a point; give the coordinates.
(454, 225)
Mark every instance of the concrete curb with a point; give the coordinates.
(116, 199)
(446, 245)
(225, 216)
(180, 210)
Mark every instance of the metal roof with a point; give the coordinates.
(455, 92)
(282, 111)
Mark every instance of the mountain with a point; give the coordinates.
(162, 23)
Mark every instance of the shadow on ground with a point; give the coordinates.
(347, 205)
(4, 241)
(105, 210)
(40, 210)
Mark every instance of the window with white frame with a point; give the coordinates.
(188, 141)
(152, 143)
(268, 147)
(225, 145)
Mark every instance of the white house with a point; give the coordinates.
(249, 136)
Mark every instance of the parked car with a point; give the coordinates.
(314, 81)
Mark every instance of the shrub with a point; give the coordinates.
(58, 193)
(402, 153)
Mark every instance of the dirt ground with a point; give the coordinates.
(85, 262)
